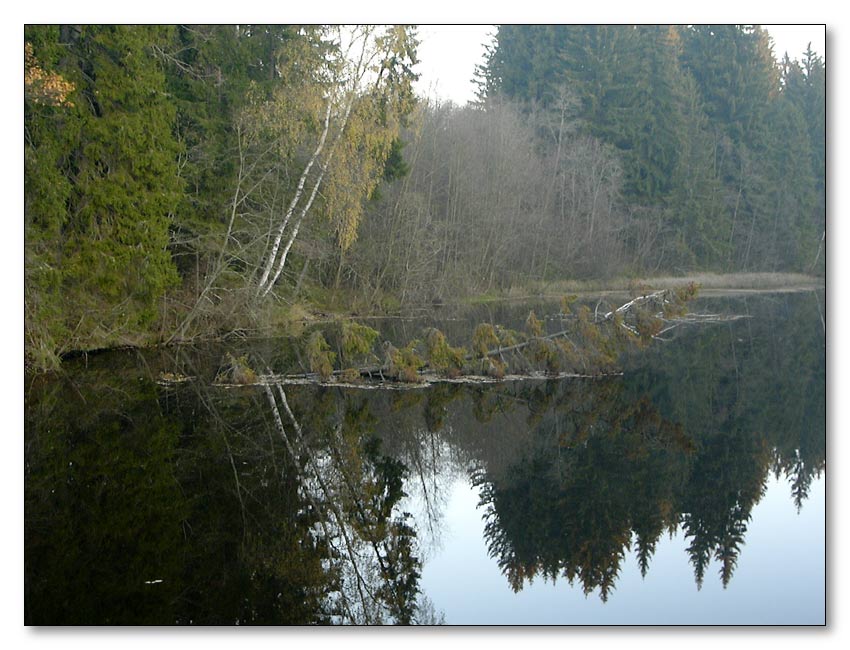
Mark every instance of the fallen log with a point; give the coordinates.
(588, 346)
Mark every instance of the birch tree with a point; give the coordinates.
(355, 103)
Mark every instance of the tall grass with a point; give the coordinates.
(707, 281)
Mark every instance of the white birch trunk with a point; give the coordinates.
(292, 204)
(265, 285)
(309, 203)
(292, 236)
(265, 288)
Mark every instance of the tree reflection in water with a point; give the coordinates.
(200, 504)
(685, 441)
(210, 506)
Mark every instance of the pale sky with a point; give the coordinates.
(794, 39)
(448, 54)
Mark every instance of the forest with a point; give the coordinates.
(184, 182)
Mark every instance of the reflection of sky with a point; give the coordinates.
(779, 578)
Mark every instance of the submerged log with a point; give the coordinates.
(427, 379)
(537, 356)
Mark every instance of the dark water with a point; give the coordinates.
(689, 490)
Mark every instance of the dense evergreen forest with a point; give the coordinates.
(187, 181)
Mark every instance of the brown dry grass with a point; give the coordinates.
(708, 282)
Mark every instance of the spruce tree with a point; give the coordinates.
(102, 233)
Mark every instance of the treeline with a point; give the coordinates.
(722, 147)
(184, 181)
(608, 150)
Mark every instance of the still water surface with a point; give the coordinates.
(689, 490)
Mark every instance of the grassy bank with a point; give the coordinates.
(710, 283)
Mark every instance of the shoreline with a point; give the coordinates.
(711, 285)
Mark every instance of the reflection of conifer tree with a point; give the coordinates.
(189, 512)
(727, 480)
(753, 396)
(792, 369)
(699, 549)
(730, 544)
(801, 481)
(765, 374)
(104, 511)
(645, 548)
(623, 461)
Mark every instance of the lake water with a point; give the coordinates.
(689, 490)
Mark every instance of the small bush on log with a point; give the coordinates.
(319, 355)
(350, 376)
(442, 357)
(566, 304)
(494, 368)
(405, 363)
(533, 325)
(647, 325)
(483, 339)
(357, 340)
(236, 371)
(508, 337)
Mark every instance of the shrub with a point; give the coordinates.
(319, 355)
(442, 357)
(357, 340)
(533, 325)
(566, 304)
(483, 339)
(350, 375)
(494, 368)
(405, 363)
